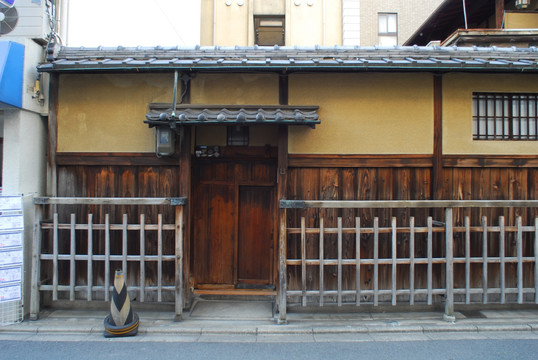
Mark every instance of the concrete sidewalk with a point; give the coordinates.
(219, 321)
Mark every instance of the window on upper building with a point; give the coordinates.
(501, 116)
(269, 30)
(387, 29)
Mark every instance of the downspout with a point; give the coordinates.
(465, 14)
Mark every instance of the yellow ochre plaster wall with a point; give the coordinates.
(234, 89)
(106, 113)
(374, 113)
(458, 112)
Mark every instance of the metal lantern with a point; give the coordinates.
(522, 4)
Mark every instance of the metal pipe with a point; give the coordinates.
(174, 101)
(465, 14)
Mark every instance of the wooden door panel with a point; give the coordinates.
(255, 235)
(214, 234)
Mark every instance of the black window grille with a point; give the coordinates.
(237, 135)
(505, 116)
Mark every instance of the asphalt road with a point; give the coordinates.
(401, 350)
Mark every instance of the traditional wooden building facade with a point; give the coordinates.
(243, 137)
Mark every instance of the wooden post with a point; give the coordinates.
(36, 251)
(519, 251)
(282, 183)
(52, 180)
(484, 259)
(502, 259)
(55, 258)
(412, 261)
(282, 268)
(430, 260)
(536, 260)
(179, 262)
(185, 165)
(107, 256)
(72, 268)
(90, 258)
(437, 169)
(449, 238)
(467, 260)
(499, 14)
(358, 260)
(321, 261)
(142, 258)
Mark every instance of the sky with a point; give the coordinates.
(132, 23)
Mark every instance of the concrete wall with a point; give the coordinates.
(24, 173)
(308, 23)
(311, 22)
(411, 14)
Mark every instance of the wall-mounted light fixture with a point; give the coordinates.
(522, 4)
(165, 141)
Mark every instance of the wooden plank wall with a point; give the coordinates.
(405, 183)
(117, 181)
(360, 179)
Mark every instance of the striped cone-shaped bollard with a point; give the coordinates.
(121, 321)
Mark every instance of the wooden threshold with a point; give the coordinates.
(236, 292)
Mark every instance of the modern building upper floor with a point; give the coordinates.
(311, 22)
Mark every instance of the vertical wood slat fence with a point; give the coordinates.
(64, 236)
(442, 233)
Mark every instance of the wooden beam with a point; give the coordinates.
(114, 159)
(437, 166)
(107, 201)
(484, 161)
(335, 160)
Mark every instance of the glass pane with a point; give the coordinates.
(383, 24)
(391, 23)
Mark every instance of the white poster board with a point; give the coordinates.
(11, 257)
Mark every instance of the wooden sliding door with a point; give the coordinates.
(233, 224)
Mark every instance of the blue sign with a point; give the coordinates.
(11, 74)
(8, 3)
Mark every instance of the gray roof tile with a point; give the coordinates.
(287, 58)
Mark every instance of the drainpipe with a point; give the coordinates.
(465, 14)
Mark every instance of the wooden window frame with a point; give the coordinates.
(505, 116)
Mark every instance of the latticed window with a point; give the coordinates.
(501, 116)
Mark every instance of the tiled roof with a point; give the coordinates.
(338, 58)
(161, 114)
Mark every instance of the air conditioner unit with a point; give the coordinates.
(25, 19)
